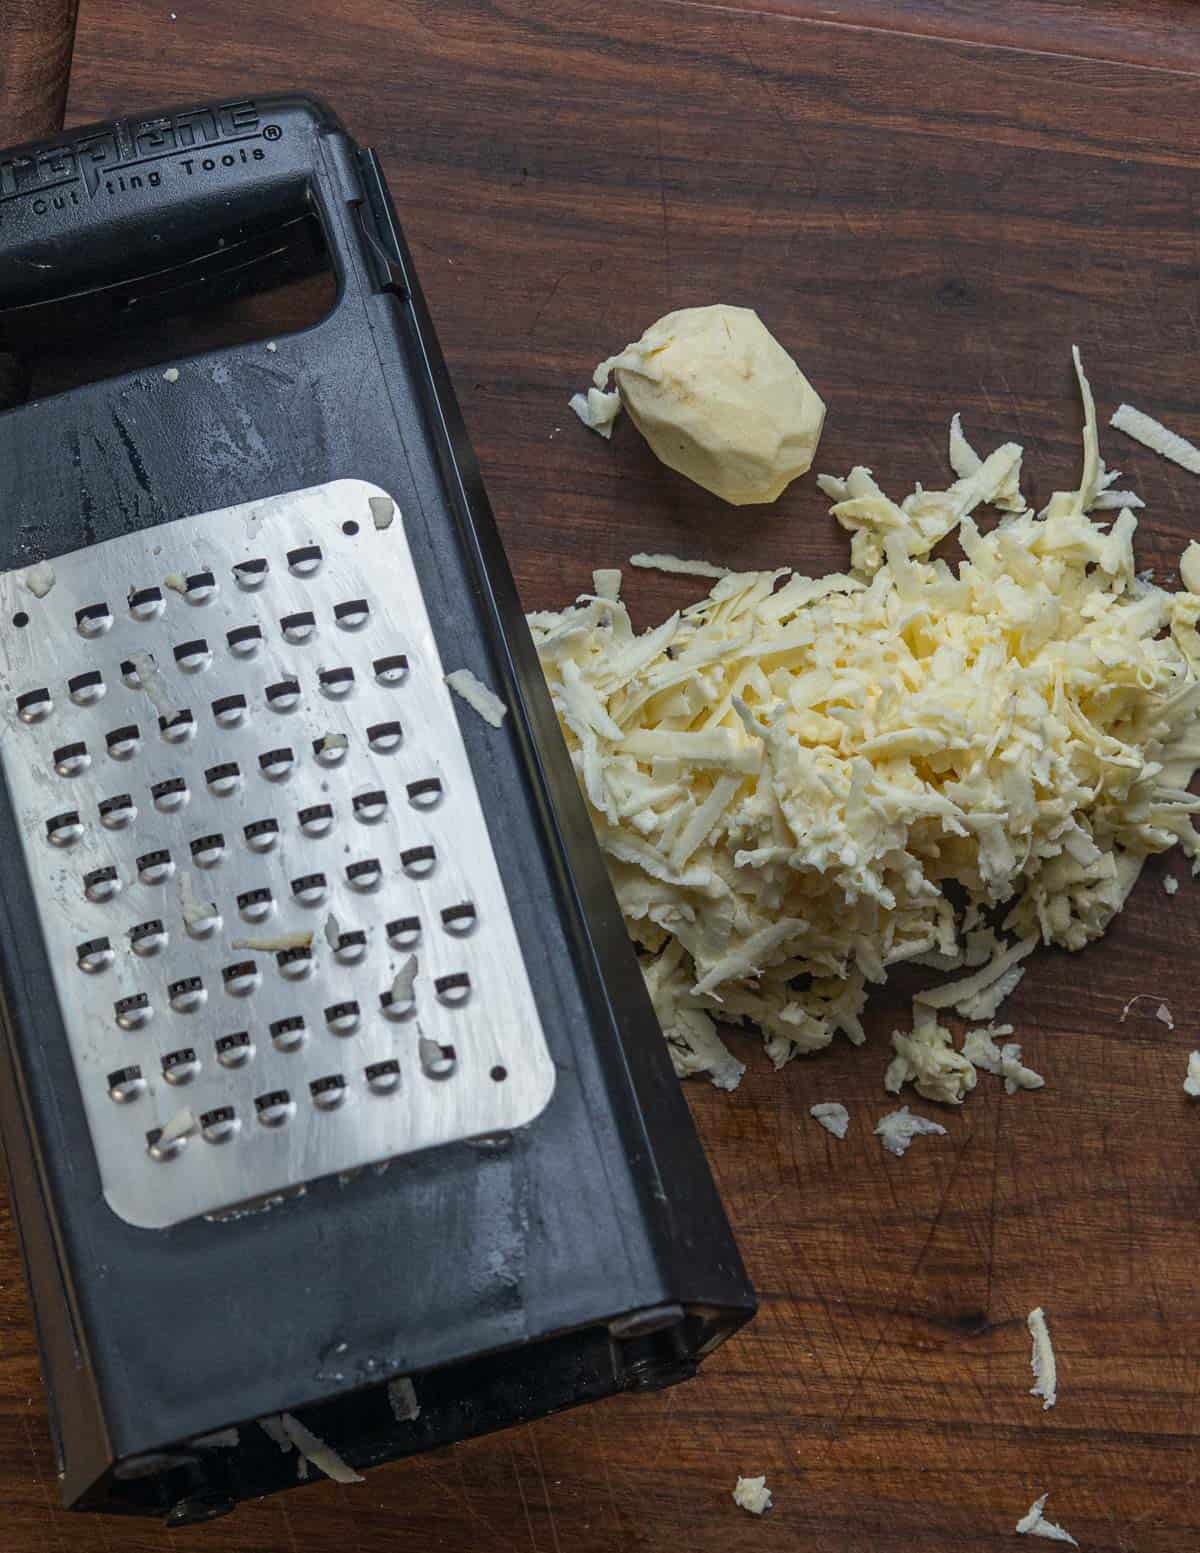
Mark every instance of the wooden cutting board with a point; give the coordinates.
(928, 226)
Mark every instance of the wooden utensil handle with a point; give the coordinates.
(36, 41)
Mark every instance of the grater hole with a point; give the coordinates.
(223, 779)
(426, 793)
(123, 742)
(330, 749)
(284, 695)
(181, 1067)
(170, 794)
(261, 835)
(353, 614)
(154, 867)
(207, 851)
(290, 1033)
(134, 1011)
(384, 737)
(336, 683)
(343, 1018)
(437, 1060)
(383, 1077)
(71, 759)
(404, 932)
(275, 1108)
(350, 946)
(309, 889)
(187, 994)
(256, 905)
(454, 989)
(304, 560)
(397, 1008)
(296, 963)
(193, 656)
(147, 938)
(34, 705)
(62, 830)
(299, 627)
(350, 528)
(126, 1084)
(179, 727)
(418, 862)
(101, 884)
(229, 711)
(365, 875)
(117, 811)
(241, 978)
(200, 918)
(370, 807)
(234, 1051)
(94, 955)
(328, 1092)
(145, 603)
(200, 587)
(499, 1073)
(244, 641)
(392, 670)
(164, 1152)
(460, 920)
(87, 688)
(316, 820)
(218, 1125)
(277, 765)
(93, 619)
(251, 574)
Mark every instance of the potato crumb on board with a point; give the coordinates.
(597, 410)
(289, 1433)
(1157, 437)
(1163, 1014)
(833, 1117)
(1191, 1084)
(477, 696)
(677, 565)
(1171, 884)
(787, 815)
(981, 1049)
(897, 1129)
(1034, 1524)
(1042, 1361)
(752, 1494)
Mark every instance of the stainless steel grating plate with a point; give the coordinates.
(245, 806)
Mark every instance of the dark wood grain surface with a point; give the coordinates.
(928, 222)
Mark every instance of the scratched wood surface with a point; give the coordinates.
(928, 223)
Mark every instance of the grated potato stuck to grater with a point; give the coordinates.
(327, 1065)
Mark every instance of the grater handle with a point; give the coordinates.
(128, 202)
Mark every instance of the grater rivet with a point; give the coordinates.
(101, 884)
(34, 705)
(145, 603)
(122, 742)
(219, 1125)
(244, 641)
(304, 560)
(300, 627)
(126, 1084)
(118, 811)
(94, 955)
(392, 670)
(62, 830)
(329, 1092)
(352, 615)
(275, 1108)
(383, 1077)
(134, 1011)
(234, 1051)
(71, 759)
(289, 1034)
(251, 574)
(86, 689)
(180, 1067)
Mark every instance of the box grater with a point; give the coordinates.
(329, 1089)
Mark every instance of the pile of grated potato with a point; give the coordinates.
(800, 782)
